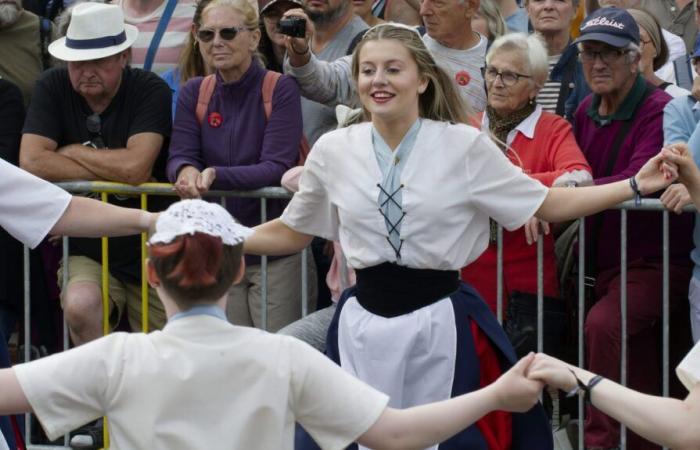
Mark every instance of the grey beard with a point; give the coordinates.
(9, 13)
(324, 18)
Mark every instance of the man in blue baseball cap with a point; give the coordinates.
(619, 127)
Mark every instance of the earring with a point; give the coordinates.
(532, 101)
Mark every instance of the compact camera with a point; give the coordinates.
(293, 26)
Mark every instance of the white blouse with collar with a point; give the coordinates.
(455, 179)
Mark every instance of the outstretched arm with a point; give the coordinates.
(12, 398)
(275, 238)
(426, 425)
(667, 421)
(86, 217)
(563, 204)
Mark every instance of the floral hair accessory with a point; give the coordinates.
(198, 216)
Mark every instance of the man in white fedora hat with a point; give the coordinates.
(98, 119)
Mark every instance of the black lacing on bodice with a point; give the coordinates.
(393, 225)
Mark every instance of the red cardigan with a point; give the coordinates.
(552, 152)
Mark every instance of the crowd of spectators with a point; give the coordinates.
(193, 97)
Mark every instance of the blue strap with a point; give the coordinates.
(158, 35)
(102, 42)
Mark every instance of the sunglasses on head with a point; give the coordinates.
(227, 34)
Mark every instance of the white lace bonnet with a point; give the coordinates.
(192, 216)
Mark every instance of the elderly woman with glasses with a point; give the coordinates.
(542, 144)
(226, 139)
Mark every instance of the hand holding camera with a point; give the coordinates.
(298, 29)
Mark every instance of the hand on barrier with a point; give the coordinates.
(186, 184)
(533, 227)
(205, 179)
(675, 197)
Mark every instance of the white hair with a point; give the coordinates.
(531, 50)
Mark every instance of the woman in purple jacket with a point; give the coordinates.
(236, 147)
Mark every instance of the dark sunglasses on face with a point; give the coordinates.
(227, 34)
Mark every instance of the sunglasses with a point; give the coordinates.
(94, 125)
(227, 34)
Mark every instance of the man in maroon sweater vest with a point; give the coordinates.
(619, 127)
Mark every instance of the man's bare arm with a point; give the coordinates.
(38, 155)
(132, 165)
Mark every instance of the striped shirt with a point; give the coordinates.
(172, 41)
(549, 94)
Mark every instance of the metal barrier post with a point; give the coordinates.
(105, 309)
(665, 344)
(144, 271)
(66, 276)
(540, 293)
(263, 268)
(27, 336)
(623, 314)
(581, 318)
(304, 282)
(499, 273)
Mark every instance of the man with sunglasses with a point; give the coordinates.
(619, 127)
(99, 119)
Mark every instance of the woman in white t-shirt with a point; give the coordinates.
(204, 383)
(409, 194)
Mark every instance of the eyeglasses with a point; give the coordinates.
(227, 34)
(608, 55)
(508, 78)
(93, 123)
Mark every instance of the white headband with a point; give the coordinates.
(198, 216)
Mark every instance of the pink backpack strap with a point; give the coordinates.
(268, 89)
(206, 90)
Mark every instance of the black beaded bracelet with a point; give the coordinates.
(637, 193)
(583, 389)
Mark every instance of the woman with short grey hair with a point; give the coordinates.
(539, 142)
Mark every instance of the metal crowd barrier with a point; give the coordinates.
(264, 194)
(144, 191)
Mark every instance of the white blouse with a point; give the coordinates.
(29, 206)
(454, 180)
(688, 370)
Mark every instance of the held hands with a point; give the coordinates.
(552, 372)
(514, 391)
(656, 174)
(191, 183)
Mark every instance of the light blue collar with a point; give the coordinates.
(207, 310)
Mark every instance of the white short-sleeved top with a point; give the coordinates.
(454, 180)
(688, 370)
(201, 383)
(29, 206)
